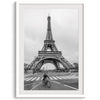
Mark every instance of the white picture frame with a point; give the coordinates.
(19, 55)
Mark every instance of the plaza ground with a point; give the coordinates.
(58, 80)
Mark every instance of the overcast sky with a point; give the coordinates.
(64, 23)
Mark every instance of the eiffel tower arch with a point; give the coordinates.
(49, 53)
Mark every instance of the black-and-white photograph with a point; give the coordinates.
(51, 47)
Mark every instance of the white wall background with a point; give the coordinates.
(91, 48)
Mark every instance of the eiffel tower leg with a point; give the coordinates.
(65, 65)
(56, 63)
(37, 67)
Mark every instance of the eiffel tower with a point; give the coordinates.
(49, 53)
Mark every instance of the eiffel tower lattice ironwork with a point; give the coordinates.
(49, 53)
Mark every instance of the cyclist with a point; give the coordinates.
(46, 81)
(45, 76)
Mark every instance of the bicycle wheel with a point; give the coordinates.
(48, 84)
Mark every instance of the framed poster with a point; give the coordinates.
(49, 50)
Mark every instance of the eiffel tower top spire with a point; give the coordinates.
(49, 32)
